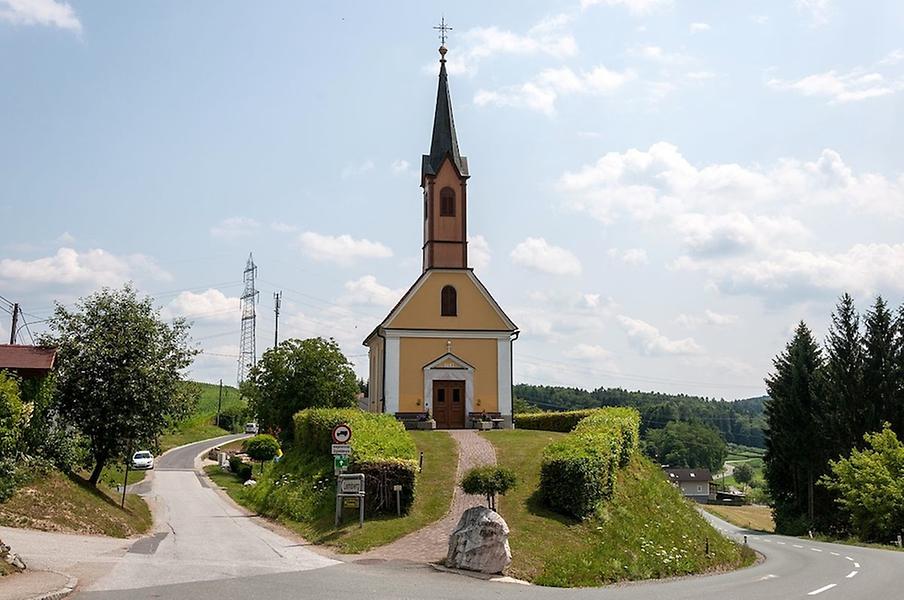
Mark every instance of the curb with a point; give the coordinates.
(71, 584)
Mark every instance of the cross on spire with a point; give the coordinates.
(442, 28)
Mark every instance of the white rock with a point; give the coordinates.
(480, 542)
(250, 482)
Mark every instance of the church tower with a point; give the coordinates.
(444, 179)
(443, 355)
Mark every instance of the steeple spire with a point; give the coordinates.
(444, 142)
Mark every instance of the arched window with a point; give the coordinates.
(449, 302)
(446, 202)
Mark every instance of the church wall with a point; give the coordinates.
(423, 310)
(415, 353)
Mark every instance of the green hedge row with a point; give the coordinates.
(578, 472)
(552, 421)
(381, 449)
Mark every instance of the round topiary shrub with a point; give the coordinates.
(488, 482)
(261, 448)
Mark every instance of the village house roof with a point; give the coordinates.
(687, 475)
(27, 360)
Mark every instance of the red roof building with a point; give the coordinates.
(27, 361)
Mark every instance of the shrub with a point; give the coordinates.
(743, 473)
(489, 481)
(262, 448)
(563, 421)
(241, 469)
(233, 417)
(381, 449)
(577, 472)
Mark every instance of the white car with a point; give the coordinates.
(251, 428)
(142, 460)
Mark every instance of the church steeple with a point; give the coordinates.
(444, 177)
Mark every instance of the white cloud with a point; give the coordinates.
(280, 227)
(659, 55)
(354, 170)
(40, 12)
(818, 11)
(649, 341)
(541, 92)
(69, 267)
(211, 304)
(629, 256)
(399, 166)
(234, 228)
(340, 249)
(366, 290)
(588, 351)
(857, 84)
(65, 239)
(734, 233)
(635, 7)
(709, 317)
(478, 252)
(538, 254)
(699, 27)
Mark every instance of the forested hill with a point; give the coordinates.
(739, 421)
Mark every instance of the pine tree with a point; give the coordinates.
(880, 366)
(844, 412)
(897, 417)
(795, 448)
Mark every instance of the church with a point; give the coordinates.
(446, 348)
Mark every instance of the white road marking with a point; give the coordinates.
(856, 565)
(815, 549)
(769, 576)
(834, 554)
(822, 589)
(797, 545)
(851, 574)
(765, 540)
(782, 543)
(849, 558)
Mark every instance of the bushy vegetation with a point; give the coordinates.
(261, 448)
(578, 471)
(489, 481)
(562, 421)
(739, 421)
(240, 468)
(689, 445)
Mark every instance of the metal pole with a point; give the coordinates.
(125, 480)
(277, 298)
(421, 463)
(361, 511)
(220, 403)
(12, 332)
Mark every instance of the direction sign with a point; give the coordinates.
(340, 463)
(349, 485)
(340, 449)
(342, 434)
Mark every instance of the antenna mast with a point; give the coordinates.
(247, 345)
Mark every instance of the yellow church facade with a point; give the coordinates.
(446, 348)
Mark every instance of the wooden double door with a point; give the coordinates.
(449, 404)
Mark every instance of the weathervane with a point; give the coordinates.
(443, 28)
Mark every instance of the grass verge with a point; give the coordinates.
(646, 531)
(753, 516)
(67, 503)
(312, 509)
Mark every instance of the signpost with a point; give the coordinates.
(341, 449)
(350, 486)
(342, 434)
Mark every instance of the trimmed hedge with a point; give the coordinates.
(563, 421)
(381, 449)
(578, 472)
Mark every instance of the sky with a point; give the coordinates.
(660, 189)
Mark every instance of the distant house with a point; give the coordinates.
(28, 362)
(693, 483)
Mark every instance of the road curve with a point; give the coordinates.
(793, 568)
(200, 536)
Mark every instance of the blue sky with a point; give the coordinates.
(660, 189)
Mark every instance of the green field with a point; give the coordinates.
(647, 530)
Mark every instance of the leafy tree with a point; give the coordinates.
(119, 371)
(691, 445)
(489, 481)
(295, 375)
(870, 487)
(844, 415)
(743, 473)
(14, 416)
(795, 449)
(261, 448)
(521, 406)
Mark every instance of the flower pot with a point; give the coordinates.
(485, 425)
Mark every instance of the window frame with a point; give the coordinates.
(447, 202)
(448, 301)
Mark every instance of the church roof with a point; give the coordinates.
(444, 143)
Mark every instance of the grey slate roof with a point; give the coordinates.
(444, 142)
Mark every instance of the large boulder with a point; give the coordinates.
(10, 557)
(480, 542)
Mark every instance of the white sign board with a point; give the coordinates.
(342, 434)
(340, 450)
(351, 486)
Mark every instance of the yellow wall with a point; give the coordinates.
(423, 310)
(415, 353)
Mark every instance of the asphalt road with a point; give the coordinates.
(793, 568)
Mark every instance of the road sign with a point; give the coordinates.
(342, 434)
(348, 485)
(351, 485)
(340, 449)
(340, 463)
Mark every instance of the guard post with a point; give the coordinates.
(350, 485)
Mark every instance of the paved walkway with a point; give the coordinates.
(431, 543)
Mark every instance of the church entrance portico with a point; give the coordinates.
(449, 391)
(449, 404)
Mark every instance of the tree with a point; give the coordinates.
(879, 365)
(295, 375)
(869, 486)
(795, 449)
(489, 481)
(13, 416)
(690, 445)
(743, 473)
(119, 371)
(261, 448)
(845, 412)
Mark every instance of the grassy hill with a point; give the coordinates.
(200, 426)
(647, 530)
